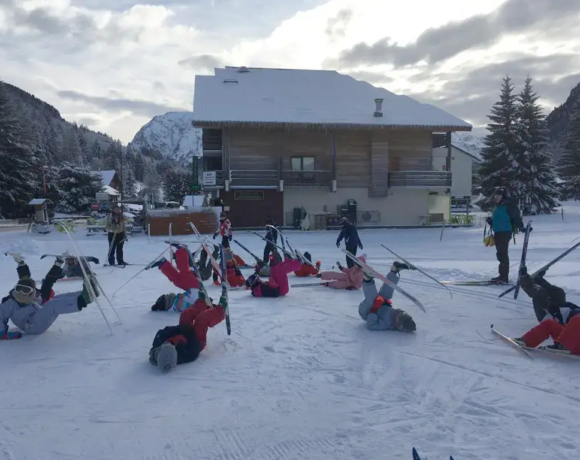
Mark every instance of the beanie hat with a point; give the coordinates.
(25, 291)
(166, 357)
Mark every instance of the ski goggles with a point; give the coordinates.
(24, 290)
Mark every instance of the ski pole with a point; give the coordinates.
(138, 273)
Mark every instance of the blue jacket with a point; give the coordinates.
(384, 318)
(350, 236)
(506, 217)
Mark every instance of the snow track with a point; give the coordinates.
(300, 377)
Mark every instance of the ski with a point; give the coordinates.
(225, 287)
(198, 275)
(545, 267)
(473, 283)
(523, 259)
(299, 285)
(512, 341)
(74, 278)
(260, 261)
(204, 244)
(375, 274)
(414, 267)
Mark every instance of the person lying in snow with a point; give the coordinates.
(54, 274)
(377, 307)
(307, 269)
(72, 266)
(204, 264)
(547, 299)
(183, 343)
(348, 278)
(182, 277)
(264, 269)
(277, 285)
(33, 311)
(233, 273)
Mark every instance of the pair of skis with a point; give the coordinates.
(417, 457)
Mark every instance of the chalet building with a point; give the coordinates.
(111, 181)
(284, 139)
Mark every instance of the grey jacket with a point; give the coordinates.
(384, 318)
(18, 313)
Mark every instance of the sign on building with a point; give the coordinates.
(101, 196)
(209, 178)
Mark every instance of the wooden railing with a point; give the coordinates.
(420, 179)
(315, 178)
(266, 177)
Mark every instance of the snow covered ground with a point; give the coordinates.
(300, 377)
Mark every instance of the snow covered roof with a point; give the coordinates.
(37, 201)
(308, 98)
(106, 176)
(110, 190)
(475, 157)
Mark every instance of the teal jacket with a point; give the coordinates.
(506, 217)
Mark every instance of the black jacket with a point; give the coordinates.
(272, 235)
(187, 346)
(350, 236)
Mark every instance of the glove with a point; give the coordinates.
(338, 244)
(10, 335)
(489, 221)
(215, 236)
(360, 246)
(523, 230)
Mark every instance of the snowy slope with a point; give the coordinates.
(469, 142)
(172, 134)
(300, 378)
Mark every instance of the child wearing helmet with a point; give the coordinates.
(307, 269)
(377, 308)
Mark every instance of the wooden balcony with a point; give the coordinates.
(267, 178)
(420, 179)
(315, 178)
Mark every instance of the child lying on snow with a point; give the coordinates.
(377, 307)
(33, 311)
(307, 269)
(563, 325)
(234, 275)
(180, 344)
(277, 285)
(348, 278)
(182, 277)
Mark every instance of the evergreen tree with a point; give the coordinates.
(499, 149)
(176, 185)
(84, 145)
(17, 184)
(71, 149)
(139, 167)
(570, 161)
(52, 143)
(96, 150)
(129, 187)
(72, 188)
(534, 183)
(112, 158)
(151, 180)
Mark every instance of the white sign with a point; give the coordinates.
(208, 178)
(101, 196)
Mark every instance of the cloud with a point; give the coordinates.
(470, 95)
(149, 109)
(337, 25)
(550, 19)
(202, 62)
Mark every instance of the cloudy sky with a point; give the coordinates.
(114, 64)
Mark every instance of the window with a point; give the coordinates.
(303, 164)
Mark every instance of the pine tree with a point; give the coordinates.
(112, 157)
(71, 150)
(570, 162)
(129, 187)
(139, 167)
(84, 145)
(176, 185)
(72, 188)
(152, 180)
(52, 143)
(534, 183)
(497, 155)
(17, 184)
(96, 150)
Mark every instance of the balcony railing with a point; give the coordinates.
(315, 178)
(420, 179)
(266, 177)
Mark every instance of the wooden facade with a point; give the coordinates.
(206, 222)
(249, 207)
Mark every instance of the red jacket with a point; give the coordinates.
(225, 228)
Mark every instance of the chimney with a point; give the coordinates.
(379, 108)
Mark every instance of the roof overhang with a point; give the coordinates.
(324, 126)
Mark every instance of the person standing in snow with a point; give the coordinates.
(352, 241)
(348, 278)
(225, 230)
(506, 219)
(33, 311)
(115, 226)
(271, 238)
(174, 345)
(377, 307)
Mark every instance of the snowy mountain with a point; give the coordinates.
(172, 135)
(559, 120)
(469, 142)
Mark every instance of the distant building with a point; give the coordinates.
(111, 182)
(284, 139)
(463, 169)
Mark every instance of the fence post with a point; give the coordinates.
(148, 233)
(562, 212)
(442, 229)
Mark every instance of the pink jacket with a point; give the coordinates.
(346, 278)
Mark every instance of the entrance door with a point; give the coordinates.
(249, 208)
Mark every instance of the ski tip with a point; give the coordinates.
(491, 326)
